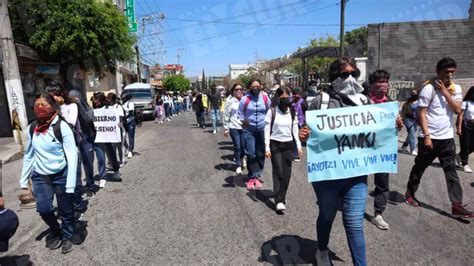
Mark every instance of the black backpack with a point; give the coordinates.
(57, 131)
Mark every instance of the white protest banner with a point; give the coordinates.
(352, 141)
(106, 122)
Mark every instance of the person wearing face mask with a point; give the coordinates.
(253, 108)
(233, 126)
(51, 159)
(439, 99)
(410, 121)
(344, 91)
(378, 91)
(281, 128)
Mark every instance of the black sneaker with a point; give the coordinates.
(89, 194)
(67, 246)
(78, 216)
(53, 242)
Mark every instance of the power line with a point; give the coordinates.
(248, 14)
(265, 24)
(257, 26)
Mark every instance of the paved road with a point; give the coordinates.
(180, 202)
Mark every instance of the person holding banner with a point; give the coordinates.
(281, 127)
(439, 99)
(253, 108)
(106, 122)
(51, 159)
(352, 191)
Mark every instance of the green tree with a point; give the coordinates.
(176, 83)
(89, 33)
(358, 38)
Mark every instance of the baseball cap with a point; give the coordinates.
(8, 225)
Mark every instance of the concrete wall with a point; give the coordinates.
(410, 51)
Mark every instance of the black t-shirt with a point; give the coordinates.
(214, 101)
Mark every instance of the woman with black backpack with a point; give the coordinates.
(281, 131)
(465, 130)
(51, 161)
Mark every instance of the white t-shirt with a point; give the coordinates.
(439, 113)
(69, 113)
(468, 108)
(282, 126)
(119, 110)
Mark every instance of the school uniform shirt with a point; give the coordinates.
(439, 113)
(231, 114)
(468, 108)
(45, 155)
(282, 128)
(129, 107)
(69, 112)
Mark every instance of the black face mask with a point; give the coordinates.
(283, 104)
(254, 91)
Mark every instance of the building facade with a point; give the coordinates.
(235, 70)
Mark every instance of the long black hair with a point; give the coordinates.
(469, 95)
(49, 99)
(279, 92)
(56, 89)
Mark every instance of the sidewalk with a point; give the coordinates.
(9, 150)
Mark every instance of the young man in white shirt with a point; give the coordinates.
(439, 99)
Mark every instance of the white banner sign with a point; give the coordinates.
(106, 122)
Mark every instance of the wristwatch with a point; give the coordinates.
(426, 135)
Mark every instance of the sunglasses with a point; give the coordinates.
(345, 75)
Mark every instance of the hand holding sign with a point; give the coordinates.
(352, 141)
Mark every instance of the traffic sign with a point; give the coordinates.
(130, 11)
(132, 27)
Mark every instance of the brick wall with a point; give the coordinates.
(410, 50)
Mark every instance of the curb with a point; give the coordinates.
(12, 157)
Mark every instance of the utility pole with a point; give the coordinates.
(343, 11)
(16, 101)
(138, 64)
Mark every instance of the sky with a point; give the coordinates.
(240, 34)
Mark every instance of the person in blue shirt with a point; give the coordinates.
(52, 165)
(253, 108)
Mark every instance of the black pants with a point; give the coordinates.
(282, 158)
(380, 192)
(466, 142)
(445, 151)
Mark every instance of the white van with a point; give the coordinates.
(143, 96)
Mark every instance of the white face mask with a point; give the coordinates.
(349, 88)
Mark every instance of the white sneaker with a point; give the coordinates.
(130, 154)
(467, 169)
(280, 206)
(102, 183)
(214, 132)
(238, 170)
(414, 153)
(379, 222)
(161, 122)
(322, 258)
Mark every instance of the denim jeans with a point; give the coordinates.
(255, 151)
(167, 108)
(45, 187)
(411, 126)
(352, 193)
(201, 120)
(87, 154)
(101, 149)
(130, 128)
(77, 202)
(215, 118)
(238, 140)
